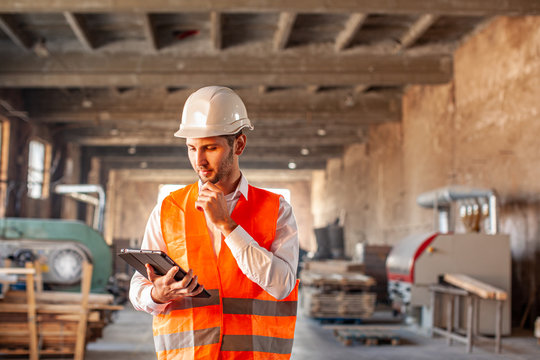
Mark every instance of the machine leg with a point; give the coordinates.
(449, 316)
(432, 303)
(470, 315)
(498, 326)
(476, 309)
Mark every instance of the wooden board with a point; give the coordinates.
(477, 287)
(334, 266)
(351, 279)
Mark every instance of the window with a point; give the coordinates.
(39, 159)
(4, 158)
(166, 189)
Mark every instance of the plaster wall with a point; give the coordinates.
(480, 130)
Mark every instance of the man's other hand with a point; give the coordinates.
(166, 288)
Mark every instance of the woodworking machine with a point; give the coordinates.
(61, 245)
(419, 260)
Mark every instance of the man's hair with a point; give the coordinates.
(230, 138)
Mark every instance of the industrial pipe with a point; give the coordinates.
(80, 192)
(443, 197)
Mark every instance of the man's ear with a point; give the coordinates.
(240, 144)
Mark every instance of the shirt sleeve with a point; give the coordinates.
(140, 287)
(274, 270)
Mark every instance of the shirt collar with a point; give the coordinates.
(241, 189)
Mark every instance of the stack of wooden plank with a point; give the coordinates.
(52, 323)
(331, 289)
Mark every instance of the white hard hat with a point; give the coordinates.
(213, 111)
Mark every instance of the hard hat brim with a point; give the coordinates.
(196, 132)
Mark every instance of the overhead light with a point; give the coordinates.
(321, 132)
(292, 165)
(132, 150)
(349, 101)
(40, 49)
(87, 103)
(304, 151)
(143, 165)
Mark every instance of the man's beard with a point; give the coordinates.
(224, 169)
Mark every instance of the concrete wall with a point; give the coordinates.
(481, 130)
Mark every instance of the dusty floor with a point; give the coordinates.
(130, 338)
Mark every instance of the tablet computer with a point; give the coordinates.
(160, 261)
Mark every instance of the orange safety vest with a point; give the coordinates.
(240, 320)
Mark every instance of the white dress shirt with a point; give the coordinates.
(274, 270)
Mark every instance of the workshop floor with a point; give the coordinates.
(130, 338)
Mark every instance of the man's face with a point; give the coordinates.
(211, 158)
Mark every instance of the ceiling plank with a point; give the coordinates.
(454, 7)
(284, 28)
(354, 23)
(215, 30)
(78, 25)
(416, 30)
(10, 28)
(127, 70)
(149, 31)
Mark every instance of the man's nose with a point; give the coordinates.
(201, 158)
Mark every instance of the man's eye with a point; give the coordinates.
(211, 148)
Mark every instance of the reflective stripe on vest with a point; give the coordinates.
(259, 307)
(186, 339)
(239, 320)
(257, 343)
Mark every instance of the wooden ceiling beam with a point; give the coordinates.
(127, 70)
(180, 150)
(454, 7)
(164, 119)
(78, 26)
(354, 23)
(150, 99)
(284, 28)
(10, 28)
(251, 164)
(149, 31)
(38, 79)
(215, 30)
(420, 26)
(95, 138)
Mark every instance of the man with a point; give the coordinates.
(238, 241)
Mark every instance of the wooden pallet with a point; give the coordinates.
(366, 334)
(317, 303)
(36, 323)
